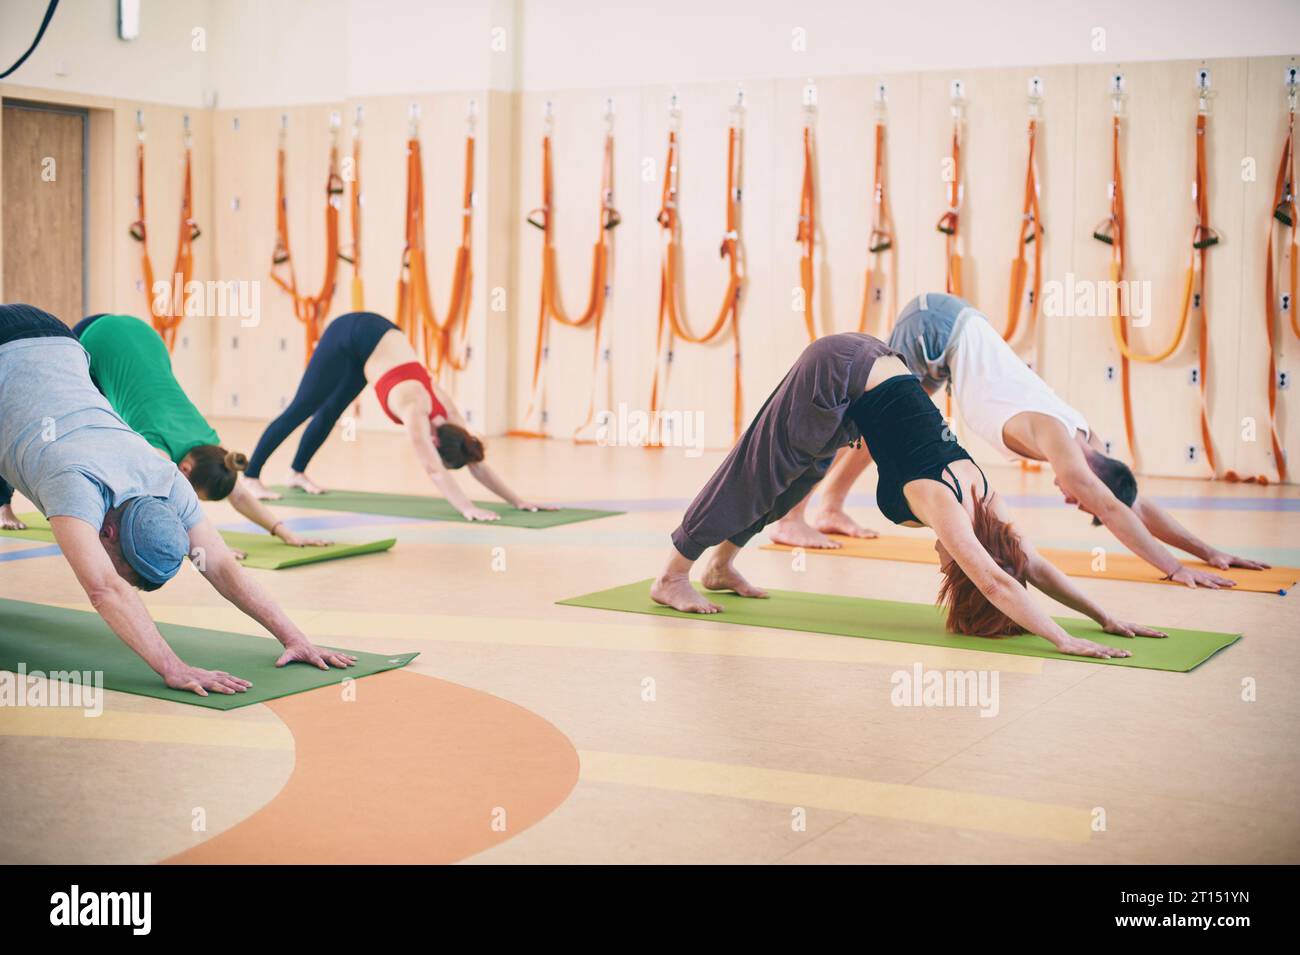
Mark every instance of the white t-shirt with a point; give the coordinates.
(992, 384)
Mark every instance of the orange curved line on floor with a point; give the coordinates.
(412, 771)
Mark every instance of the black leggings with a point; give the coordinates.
(334, 378)
(26, 321)
(79, 329)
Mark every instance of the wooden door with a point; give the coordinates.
(43, 191)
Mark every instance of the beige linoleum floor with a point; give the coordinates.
(702, 742)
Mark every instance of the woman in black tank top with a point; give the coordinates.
(829, 399)
(909, 440)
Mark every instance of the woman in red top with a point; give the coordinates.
(360, 348)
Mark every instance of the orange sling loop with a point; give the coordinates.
(353, 254)
(166, 320)
(1112, 231)
(950, 222)
(1278, 305)
(806, 233)
(1031, 231)
(311, 310)
(671, 324)
(441, 345)
(550, 304)
(881, 240)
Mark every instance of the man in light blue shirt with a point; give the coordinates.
(124, 516)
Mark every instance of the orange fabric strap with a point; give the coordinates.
(550, 302)
(806, 234)
(1031, 231)
(1278, 305)
(442, 345)
(879, 244)
(950, 222)
(672, 324)
(310, 310)
(353, 255)
(167, 319)
(1112, 231)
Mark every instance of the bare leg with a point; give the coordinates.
(673, 588)
(259, 490)
(721, 573)
(844, 473)
(300, 480)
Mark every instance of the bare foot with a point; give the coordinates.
(798, 533)
(304, 483)
(259, 490)
(726, 577)
(836, 521)
(677, 592)
(9, 520)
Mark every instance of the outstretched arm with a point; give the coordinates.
(480, 470)
(952, 524)
(493, 482)
(117, 602)
(1078, 481)
(1048, 578)
(1162, 524)
(243, 500)
(426, 452)
(216, 563)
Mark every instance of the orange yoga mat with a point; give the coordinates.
(1076, 563)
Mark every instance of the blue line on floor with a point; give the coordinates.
(1283, 504)
(326, 523)
(29, 553)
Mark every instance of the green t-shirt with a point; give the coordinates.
(131, 366)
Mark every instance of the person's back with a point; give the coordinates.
(992, 385)
(130, 364)
(944, 339)
(57, 432)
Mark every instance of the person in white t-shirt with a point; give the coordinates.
(946, 341)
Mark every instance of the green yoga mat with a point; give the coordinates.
(49, 639)
(264, 551)
(270, 553)
(912, 623)
(423, 508)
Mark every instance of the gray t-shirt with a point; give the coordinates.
(65, 449)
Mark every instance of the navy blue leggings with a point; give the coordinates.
(79, 329)
(334, 378)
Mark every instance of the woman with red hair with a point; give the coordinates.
(848, 388)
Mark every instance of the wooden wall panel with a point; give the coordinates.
(164, 145)
(1073, 351)
(1266, 123)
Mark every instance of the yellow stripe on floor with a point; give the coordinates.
(351, 628)
(70, 723)
(939, 807)
(340, 626)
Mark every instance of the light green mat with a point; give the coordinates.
(913, 623)
(51, 639)
(264, 551)
(424, 508)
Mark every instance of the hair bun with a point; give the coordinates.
(236, 461)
